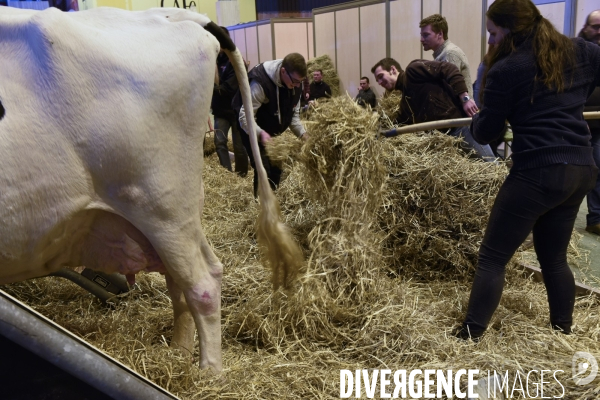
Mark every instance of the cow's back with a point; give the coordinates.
(102, 108)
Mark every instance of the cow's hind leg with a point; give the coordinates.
(196, 272)
(204, 301)
(183, 322)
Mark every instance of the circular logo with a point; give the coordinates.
(584, 368)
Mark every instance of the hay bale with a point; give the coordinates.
(388, 108)
(438, 204)
(330, 75)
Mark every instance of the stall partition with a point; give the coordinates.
(272, 39)
(357, 34)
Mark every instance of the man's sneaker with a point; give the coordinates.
(593, 229)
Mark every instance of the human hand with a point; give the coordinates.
(470, 108)
(264, 137)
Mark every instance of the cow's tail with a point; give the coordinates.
(274, 238)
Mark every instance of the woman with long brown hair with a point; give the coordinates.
(538, 80)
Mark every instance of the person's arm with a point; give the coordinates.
(258, 99)
(488, 125)
(296, 125)
(469, 107)
(424, 71)
(452, 76)
(327, 90)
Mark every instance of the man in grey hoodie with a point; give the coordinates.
(275, 88)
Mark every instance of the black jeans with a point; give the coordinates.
(273, 172)
(545, 200)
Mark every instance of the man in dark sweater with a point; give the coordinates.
(366, 95)
(318, 88)
(591, 33)
(431, 91)
(225, 117)
(275, 88)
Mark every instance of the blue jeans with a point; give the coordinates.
(593, 197)
(222, 126)
(469, 143)
(545, 200)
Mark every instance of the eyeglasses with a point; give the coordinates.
(595, 27)
(294, 81)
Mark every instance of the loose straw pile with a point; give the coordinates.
(390, 231)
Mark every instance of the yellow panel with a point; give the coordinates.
(555, 12)
(247, 10)
(239, 38)
(372, 41)
(203, 7)
(405, 37)
(112, 3)
(347, 45)
(325, 35)
(467, 36)
(252, 45)
(432, 7)
(290, 37)
(311, 41)
(140, 5)
(265, 43)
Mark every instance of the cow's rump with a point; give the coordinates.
(105, 110)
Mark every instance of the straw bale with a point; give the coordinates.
(330, 75)
(438, 203)
(388, 108)
(390, 230)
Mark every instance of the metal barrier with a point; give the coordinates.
(32, 5)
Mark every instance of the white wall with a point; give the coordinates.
(584, 8)
(372, 44)
(555, 13)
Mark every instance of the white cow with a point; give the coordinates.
(102, 122)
